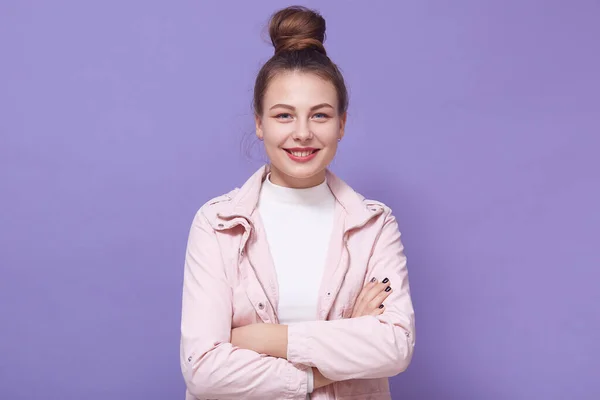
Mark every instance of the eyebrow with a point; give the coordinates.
(293, 108)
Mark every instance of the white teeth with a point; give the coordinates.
(301, 153)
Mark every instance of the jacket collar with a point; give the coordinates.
(244, 202)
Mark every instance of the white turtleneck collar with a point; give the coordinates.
(307, 196)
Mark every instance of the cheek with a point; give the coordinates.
(327, 133)
(274, 132)
(272, 141)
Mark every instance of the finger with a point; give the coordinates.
(372, 283)
(372, 289)
(360, 304)
(380, 298)
(378, 311)
(376, 290)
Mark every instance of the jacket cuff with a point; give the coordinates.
(297, 383)
(299, 349)
(311, 380)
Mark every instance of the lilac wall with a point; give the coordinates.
(478, 122)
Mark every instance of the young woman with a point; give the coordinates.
(295, 285)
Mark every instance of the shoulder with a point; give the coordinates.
(219, 203)
(221, 200)
(206, 218)
(207, 215)
(373, 205)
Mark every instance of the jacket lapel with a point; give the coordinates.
(259, 256)
(255, 260)
(351, 213)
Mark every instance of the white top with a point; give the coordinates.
(298, 225)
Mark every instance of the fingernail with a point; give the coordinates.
(373, 280)
(381, 306)
(386, 280)
(387, 289)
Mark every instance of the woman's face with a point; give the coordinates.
(300, 126)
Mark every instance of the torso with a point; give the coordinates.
(298, 224)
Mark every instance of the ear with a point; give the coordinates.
(343, 124)
(258, 123)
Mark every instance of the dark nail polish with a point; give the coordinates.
(386, 280)
(373, 280)
(381, 306)
(387, 289)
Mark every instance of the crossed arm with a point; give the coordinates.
(271, 361)
(272, 339)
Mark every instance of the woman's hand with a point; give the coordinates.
(370, 300)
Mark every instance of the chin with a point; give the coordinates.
(302, 171)
(303, 174)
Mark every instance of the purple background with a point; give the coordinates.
(477, 122)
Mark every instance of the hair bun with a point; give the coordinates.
(297, 28)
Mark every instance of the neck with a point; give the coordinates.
(281, 179)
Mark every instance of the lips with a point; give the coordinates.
(302, 154)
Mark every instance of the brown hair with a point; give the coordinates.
(298, 33)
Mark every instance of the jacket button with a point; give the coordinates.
(189, 359)
(221, 226)
(261, 306)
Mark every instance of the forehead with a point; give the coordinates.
(299, 89)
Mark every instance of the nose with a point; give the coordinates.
(302, 132)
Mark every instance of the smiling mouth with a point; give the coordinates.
(301, 153)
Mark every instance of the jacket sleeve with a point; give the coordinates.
(212, 367)
(364, 347)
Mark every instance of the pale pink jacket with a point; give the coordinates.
(230, 281)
